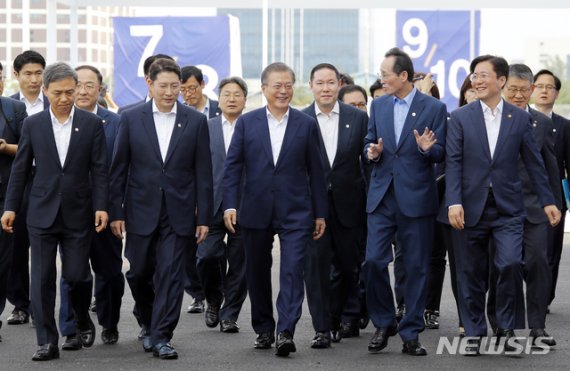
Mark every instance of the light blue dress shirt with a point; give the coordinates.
(401, 109)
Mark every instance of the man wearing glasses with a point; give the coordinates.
(484, 199)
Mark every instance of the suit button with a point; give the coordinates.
(160, 189)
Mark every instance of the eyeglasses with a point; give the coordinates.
(88, 86)
(382, 77)
(189, 89)
(479, 76)
(547, 87)
(515, 90)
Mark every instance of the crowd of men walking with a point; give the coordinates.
(198, 189)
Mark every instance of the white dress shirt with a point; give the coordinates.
(164, 125)
(62, 134)
(33, 107)
(276, 132)
(492, 123)
(328, 123)
(228, 130)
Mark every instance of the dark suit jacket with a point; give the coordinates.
(10, 131)
(17, 97)
(562, 148)
(542, 130)
(402, 164)
(111, 129)
(74, 188)
(290, 194)
(214, 109)
(470, 169)
(140, 179)
(129, 106)
(345, 179)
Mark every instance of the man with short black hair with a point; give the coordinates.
(192, 88)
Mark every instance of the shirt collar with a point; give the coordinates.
(173, 111)
(285, 116)
(225, 121)
(54, 119)
(408, 98)
(40, 98)
(336, 109)
(486, 108)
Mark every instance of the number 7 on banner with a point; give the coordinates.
(155, 32)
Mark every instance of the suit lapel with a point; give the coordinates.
(74, 137)
(481, 128)
(506, 125)
(414, 113)
(264, 133)
(48, 135)
(323, 150)
(148, 124)
(345, 131)
(217, 138)
(290, 131)
(180, 124)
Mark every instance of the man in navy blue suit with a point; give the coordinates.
(106, 250)
(402, 198)
(221, 284)
(68, 196)
(277, 149)
(161, 195)
(342, 129)
(484, 198)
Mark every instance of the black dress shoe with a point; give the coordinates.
(379, 340)
(400, 312)
(285, 344)
(507, 334)
(431, 319)
(212, 315)
(350, 329)
(336, 335)
(164, 351)
(46, 352)
(228, 326)
(541, 335)
(197, 306)
(109, 336)
(363, 322)
(414, 348)
(18, 317)
(321, 340)
(72, 342)
(264, 341)
(87, 332)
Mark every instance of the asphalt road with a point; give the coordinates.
(201, 348)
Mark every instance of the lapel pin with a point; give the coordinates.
(103, 121)
(554, 130)
(179, 125)
(76, 129)
(414, 114)
(534, 124)
(347, 125)
(510, 115)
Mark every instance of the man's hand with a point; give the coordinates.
(118, 228)
(375, 150)
(320, 226)
(101, 220)
(201, 233)
(426, 140)
(426, 84)
(456, 217)
(551, 212)
(230, 219)
(8, 221)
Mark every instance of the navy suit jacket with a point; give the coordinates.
(402, 164)
(74, 188)
(17, 97)
(129, 106)
(542, 129)
(562, 148)
(290, 194)
(140, 179)
(111, 129)
(214, 109)
(345, 179)
(470, 170)
(10, 131)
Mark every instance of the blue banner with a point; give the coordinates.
(443, 43)
(200, 41)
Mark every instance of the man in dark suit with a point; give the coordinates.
(220, 284)
(536, 271)
(276, 148)
(547, 87)
(161, 195)
(106, 250)
(342, 129)
(28, 69)
(484, 198)
(191, 91)
(146, 66)
(68, 147)
(12, 116)
(402, 198)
